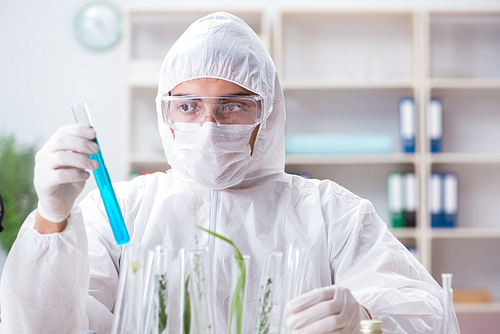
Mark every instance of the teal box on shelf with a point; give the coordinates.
(327, 143)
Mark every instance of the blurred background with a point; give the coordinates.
(348, 64)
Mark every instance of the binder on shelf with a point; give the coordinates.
(411, 200)
(402, 199)
(435, 199)
(435, 124)
(407, 124)
(443, 199)
(395, 193)
(450, 199)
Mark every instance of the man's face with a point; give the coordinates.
(213, 87)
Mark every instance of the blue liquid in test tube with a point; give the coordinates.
(115, 217)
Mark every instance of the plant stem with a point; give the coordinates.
(239, 290)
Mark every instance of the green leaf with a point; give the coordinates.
(187, 308)
(16, 186)
(239, 290)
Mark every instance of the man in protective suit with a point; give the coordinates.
(221, 117)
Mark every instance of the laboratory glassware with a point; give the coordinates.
(447, 301)
(295, 262)
(199, 298)
(128, 314)
(268, 285)
(161, 286)
(115, 217)
(239, 278)
(148, 291)
(370, 327)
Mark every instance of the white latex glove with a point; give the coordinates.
(60, 170)
(331, 309)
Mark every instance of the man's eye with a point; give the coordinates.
(233, 107)
(186, 107)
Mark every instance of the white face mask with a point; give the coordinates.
(215, 157)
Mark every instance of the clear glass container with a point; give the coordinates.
(268, 284)
(239, 280)
(198, 293)
(447, 302)
(370, 327)
(128, 316)
(293, 277)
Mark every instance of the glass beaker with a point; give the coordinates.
(239, 279)
(267, 291)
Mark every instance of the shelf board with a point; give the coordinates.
(464, 158)
(404, 233)
(143, 73)
(464, 83)
(346, 84)
(334, 159)
(465, 233)
(148, 158)
(476, 307)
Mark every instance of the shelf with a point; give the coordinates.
(350, 159)
(404, 233)
(465, 233)
(477, 307)
(143, 73)
(337, 84)
(148, 158)
(464, 158)
(463, 83)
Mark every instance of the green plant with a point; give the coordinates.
(239, 290)
(187, 309)
(265, 308)
(16, 186)
(162, 301)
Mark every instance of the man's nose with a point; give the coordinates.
(210, 114)
(210, 118)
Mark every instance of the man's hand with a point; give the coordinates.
(60, 173)
(332, 309)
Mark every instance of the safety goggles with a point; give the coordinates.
(222, 110)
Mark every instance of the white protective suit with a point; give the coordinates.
(67, 282)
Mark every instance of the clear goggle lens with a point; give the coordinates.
(225, 110)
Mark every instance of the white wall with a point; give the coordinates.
(44, 71)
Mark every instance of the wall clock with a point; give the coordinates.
(97, 25)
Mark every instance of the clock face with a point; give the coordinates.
(98, 25)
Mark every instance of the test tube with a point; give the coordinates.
(295, 263)
(268, 285)
(115, 217)
(447, 301)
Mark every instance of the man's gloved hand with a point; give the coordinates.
(331, 309)
(60, 170)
